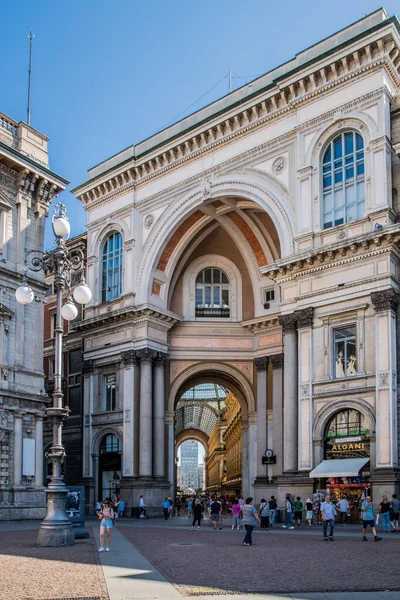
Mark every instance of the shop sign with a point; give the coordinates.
(349, 447)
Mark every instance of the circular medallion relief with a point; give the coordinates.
(279, 164)
(148, 221)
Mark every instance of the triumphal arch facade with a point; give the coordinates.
(253, 247)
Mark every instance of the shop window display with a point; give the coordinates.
(345, 354)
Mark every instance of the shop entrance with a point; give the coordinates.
(109, 467)
(345, 471)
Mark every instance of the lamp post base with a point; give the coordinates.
(56, 528)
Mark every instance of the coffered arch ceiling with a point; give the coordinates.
(199, 408)
(249, 226)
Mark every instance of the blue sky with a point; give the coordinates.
(109, 74)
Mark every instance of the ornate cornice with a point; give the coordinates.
(269, 105)
(262, 325)
(385, 300)
(335, 254)
(276, 361)
(137, 314)
(261, 363)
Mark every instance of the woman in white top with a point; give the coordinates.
(106, 516)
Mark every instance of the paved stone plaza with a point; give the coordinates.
(160, 560)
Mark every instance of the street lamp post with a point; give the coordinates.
(56, 528)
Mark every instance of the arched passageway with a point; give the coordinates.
(211, 414)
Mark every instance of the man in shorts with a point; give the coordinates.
(367, 514)
(215, 509)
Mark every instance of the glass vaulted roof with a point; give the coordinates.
(199, 407)
(205, 391)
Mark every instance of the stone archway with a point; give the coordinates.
(233, 381)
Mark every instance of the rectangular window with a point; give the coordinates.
(345, 352)
(269, 295)
(110, 389)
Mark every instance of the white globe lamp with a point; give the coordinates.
(82, 293)
(24, 294)
(61, 227)
(69, 311)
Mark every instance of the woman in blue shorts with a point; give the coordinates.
(106, 516)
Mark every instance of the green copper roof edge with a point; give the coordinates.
(390, 20)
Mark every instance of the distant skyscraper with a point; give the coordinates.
(188, 471)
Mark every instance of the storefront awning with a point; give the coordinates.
(340, 467)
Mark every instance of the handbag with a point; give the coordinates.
(241, 515)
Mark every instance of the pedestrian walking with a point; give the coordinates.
(235, 515)
(273, 505)
(216, 509)
(106, 516)
(171, 507)
(178, 505)
(298, 511)
(189, 506)
(309, 512)
(394, 517)
(328, 513)
(367, 514)
(384, 510)
(249, 520)
(343, 507)
(289, 514)
(121, 507)
(166, 506)
(264, 513)
(142, 508)
(198, 510)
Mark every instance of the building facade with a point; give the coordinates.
(189, 466)
(27, 186)
(72, 386)
(254, 245)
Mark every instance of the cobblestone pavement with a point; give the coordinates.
(216, 562)
(31, 573)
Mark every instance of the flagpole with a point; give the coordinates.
(30, 36)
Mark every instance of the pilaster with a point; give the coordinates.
(276, 361)
(261, 365)
(129, 368)
(305, 419)
(385, 304)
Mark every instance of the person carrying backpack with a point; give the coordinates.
(298, 511)
(264, 514)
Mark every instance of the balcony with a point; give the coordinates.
(212, 313)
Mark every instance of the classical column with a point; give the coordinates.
(169, 421)
(129, 362)
(385, 304)
(245, 459)
(252, 450)
(17, 450)
(290, 407)
(146, 357)
(88, 398)
(277, 410)
(159, 415)
(305, 351)
(39, 450)
(261, 365)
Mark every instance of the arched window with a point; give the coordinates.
(112, 267)
(346, 423)
(343, 180)
(110, 443)
(212, 293)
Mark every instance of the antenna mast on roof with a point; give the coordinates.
(30, 37)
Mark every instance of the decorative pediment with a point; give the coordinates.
(6, 202)
(5, 312)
